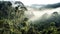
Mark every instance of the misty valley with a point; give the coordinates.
(17, 18)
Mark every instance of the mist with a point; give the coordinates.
(37, 16)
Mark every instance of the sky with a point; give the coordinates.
(30, 2)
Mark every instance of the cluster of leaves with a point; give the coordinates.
(11, 17)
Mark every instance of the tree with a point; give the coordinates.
(11, 16)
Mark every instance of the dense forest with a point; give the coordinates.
(13, 20)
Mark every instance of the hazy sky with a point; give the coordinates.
(29, 2)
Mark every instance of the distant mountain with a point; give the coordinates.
(37, 5)
(48, 6)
